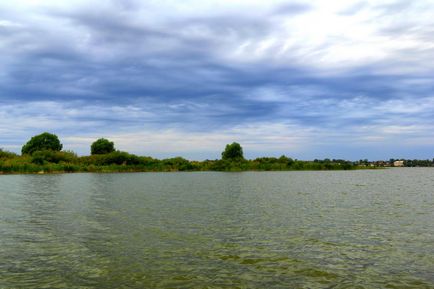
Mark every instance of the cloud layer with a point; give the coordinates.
(313, 79)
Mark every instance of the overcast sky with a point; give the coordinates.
(314, 79)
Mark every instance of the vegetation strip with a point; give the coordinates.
(43, 154)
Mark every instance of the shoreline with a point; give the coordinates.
(2, 173)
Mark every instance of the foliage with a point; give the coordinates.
(6, 155)
(178, 164)
(102, 146)
(49, 160)
(419, 163)
(41, 157)
(116, 157)
(233, 151)
(44, 141)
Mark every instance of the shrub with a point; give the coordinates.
(7, 155)
(40, 157)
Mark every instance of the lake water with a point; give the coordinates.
(333, 229)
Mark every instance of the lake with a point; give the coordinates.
(328, 229)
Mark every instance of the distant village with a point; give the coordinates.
(397, 163)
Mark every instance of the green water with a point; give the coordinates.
(345, 229)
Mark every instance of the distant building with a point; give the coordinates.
(398, 163)
(382, 164)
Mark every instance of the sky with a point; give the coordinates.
(307, 79)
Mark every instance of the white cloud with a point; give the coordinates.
(170, 142)
(322, 37)
(82, 48)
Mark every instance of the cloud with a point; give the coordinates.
(281, 76)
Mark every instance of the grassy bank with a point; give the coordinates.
(64, 162)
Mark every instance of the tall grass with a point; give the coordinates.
(65, 161)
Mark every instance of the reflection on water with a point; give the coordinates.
(358, 229)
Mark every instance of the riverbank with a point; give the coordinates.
(132, 170)
(68, 162)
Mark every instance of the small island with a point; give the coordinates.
(43, 154)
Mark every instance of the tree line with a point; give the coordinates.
(43, 153)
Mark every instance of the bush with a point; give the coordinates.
(116, 157)
(177, 164)
(40, 157)
(7, 155)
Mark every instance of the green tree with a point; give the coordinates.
(233, 151)
(43, 141)
(102, 146)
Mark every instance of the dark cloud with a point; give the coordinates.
(125, 71)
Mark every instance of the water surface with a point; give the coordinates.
(345, 229)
